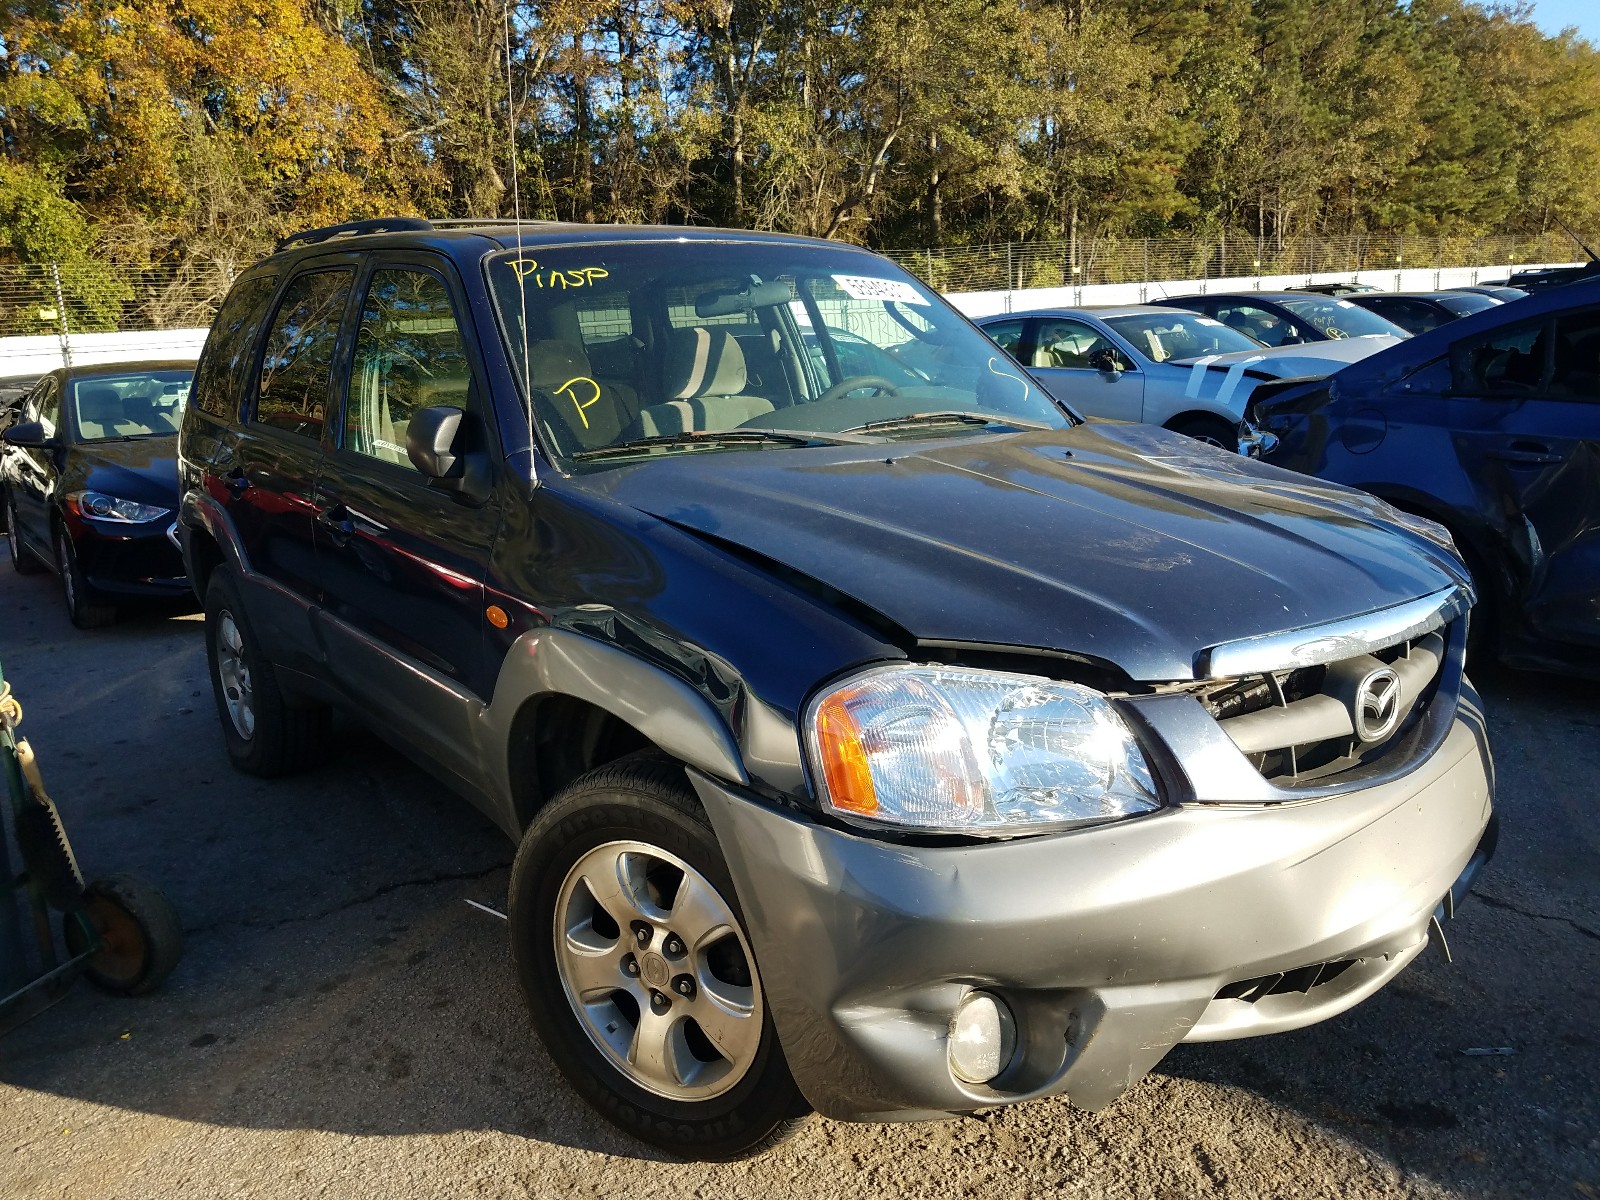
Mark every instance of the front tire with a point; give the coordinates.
(84, 608)
(22, 560)
(1213, 431)
(630, 946)
(266, 734)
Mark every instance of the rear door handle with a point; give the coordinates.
(1532, 454)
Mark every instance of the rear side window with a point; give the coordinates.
(408, 356)
(219, 380)
(297, 365)
(1511, 362)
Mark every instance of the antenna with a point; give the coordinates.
(516, 211)
(1567, 229)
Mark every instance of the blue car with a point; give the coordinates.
(1489, 425)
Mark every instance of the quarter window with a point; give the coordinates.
(297, 365)
(409, 355)
(219, 380)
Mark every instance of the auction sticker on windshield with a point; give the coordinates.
(863, 287)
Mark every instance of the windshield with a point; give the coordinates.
(672, 346)
(1341, 319)
(138, 404)
(1174, 335)
(1466, 303)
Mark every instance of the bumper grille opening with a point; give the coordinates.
(1311, 723)
(1301, 979)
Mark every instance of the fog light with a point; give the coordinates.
(982, 1038)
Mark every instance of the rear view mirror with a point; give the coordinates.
(440, 444)
(29, 435)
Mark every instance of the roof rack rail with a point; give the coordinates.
(398, 225)
(356, 229)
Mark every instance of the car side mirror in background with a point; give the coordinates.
(441, 443)
(29, 435)
(1105, 361)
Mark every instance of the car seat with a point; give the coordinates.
(101, 415)
(581, 412)
(705, 380)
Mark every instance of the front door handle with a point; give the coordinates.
(336, 523)
(1528, 454)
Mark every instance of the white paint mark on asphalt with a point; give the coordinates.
(485, 908)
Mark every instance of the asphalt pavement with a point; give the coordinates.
(345, 1024)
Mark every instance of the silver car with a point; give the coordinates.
(1162, 366)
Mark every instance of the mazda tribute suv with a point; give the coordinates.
(878, 737)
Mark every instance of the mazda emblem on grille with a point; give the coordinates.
(1377, 705)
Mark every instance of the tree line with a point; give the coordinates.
(191, 133)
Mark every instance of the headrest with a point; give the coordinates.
(554, 363)
(704, 362)
(99, 405)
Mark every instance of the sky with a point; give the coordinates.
(1552, 16)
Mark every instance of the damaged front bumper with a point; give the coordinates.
(1107, 945)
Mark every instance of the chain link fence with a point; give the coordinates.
(1088, 262)
(97, 296)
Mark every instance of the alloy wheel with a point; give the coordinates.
(658, 971)
(234, 674)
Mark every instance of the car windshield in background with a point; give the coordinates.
(651, 348)
(1464, 304)
(143, 404)
(1175, 336)
(1341, 319)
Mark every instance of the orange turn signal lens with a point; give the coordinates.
(842, 757)
(497, 616)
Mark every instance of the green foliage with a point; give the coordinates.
(147, 132)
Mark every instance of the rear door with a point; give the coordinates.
(1527, 400)
(1065, 357)
(269, 490)
(402, 564)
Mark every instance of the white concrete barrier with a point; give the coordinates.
(1412, 279)
(36, 355)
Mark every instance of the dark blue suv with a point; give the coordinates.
(877, 736)
(1489, 425)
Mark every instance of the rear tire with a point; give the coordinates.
(1213, 431)
(139, 931)
(84, 608)
(22, 559)
(266, 734)
(619, 977)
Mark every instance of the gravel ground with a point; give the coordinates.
(344, 1024)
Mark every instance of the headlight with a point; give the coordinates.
(110, 508)
(950, 750)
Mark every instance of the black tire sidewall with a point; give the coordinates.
(726, 1126)
(84, 608)
(1204, 428)
(221, 595)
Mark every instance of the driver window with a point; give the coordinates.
(1576, 369)
(1512, 363)
(47, 406)
(1073, 345)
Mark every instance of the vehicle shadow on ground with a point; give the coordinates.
(337, 980)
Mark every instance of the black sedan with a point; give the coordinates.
(1489, 425)
(1418, 312)
(1288, 318)
(89, 484)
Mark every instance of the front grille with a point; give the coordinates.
(1312, 723)
(1301, 979)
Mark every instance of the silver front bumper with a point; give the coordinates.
(1110, 944)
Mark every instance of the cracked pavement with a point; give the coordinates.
(344, 1024)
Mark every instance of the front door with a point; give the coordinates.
(1527, 401)
(35, 468)
(402, 563)
(1082, 367)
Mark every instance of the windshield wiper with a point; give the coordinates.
(727, 437)
(931, 419)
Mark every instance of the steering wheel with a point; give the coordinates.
(854, 383)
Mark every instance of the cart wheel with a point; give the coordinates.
(140, 937)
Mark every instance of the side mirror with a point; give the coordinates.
(439, 444)
(1105, 361)
(28, 435)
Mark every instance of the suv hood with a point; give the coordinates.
(1125, 544)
